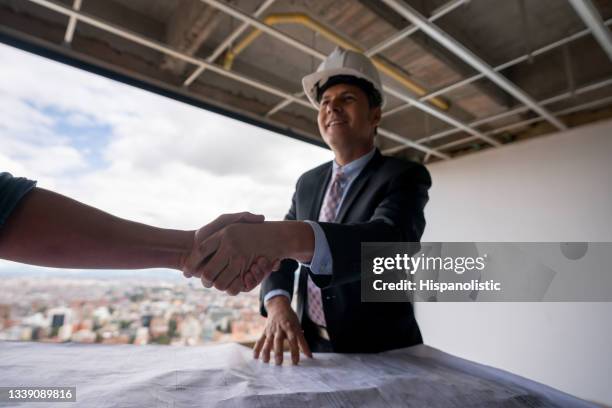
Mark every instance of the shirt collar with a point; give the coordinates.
(352, 169)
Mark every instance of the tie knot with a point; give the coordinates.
(339, 178)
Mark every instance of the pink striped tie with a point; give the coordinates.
(327, 214)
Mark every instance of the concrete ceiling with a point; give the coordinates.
(550, 57)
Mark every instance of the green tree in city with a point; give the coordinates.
(172, 328)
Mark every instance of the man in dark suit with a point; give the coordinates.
(361, 196)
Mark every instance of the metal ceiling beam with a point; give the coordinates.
(407, 142)
(305, 20)
(189, 26)
(482, 121)
(318, 54)
(573, 109)
(279, 35)
(591, 17)
(226, 43)
(544, 102)
(500, 67)
(408, 31)
(441, 11)
(136, 38)
(472, 59)
(315, 53)
(76, 5)
(442, 116)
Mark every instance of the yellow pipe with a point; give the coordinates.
(306, 21)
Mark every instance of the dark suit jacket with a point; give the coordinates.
(384, 204)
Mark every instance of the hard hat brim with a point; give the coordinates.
(310, 82)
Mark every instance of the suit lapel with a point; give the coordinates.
(312, 214)
(317, 197)
(358, 185)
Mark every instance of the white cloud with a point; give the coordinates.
(79, 119)
(19, 119)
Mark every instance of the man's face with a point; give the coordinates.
(345, 119)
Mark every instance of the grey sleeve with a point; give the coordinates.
(12, 190)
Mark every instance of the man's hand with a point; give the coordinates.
(282, 324)
(259, 269)
(234, 249)
(195, 259)
(257, 272)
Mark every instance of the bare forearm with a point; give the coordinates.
(53, 230)
(297, 240)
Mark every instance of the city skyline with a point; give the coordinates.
(124, 311)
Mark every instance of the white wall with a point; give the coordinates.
(552, 189)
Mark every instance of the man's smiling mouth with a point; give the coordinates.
(336, 122)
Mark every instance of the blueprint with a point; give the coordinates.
(227, 376)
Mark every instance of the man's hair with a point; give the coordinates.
(374, 98)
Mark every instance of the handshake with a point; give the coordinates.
(236, 252)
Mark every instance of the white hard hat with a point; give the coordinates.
(342, 62)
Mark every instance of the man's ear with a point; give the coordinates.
(376, 115)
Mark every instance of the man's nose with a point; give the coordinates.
(334, 105)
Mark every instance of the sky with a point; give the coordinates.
(136, 154)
